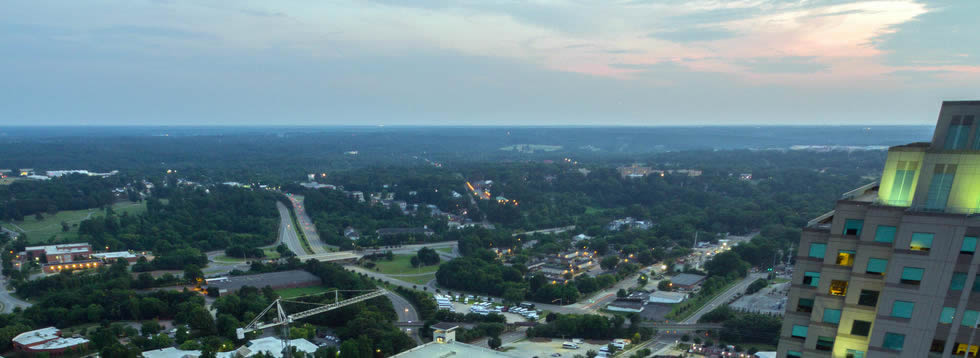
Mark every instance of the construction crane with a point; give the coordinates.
(283, 319)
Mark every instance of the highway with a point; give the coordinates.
(353, 255)
(307, 226)
(406, 313)
(724, 297)
(287, 234)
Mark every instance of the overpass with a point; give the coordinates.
(409, 324)
(660, 326)
(357, 254)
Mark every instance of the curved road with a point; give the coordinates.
(406, 313)
(7, 301)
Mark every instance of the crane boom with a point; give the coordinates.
(284, 319)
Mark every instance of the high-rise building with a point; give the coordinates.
(892, 270)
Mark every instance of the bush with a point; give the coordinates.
(756, 286)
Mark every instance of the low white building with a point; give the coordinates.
(171, 352)
(271, 345)
(444, 344)
(667, 297)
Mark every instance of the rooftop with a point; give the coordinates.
(272, 345)
(36, 336)
(170, 352)
(51, 337)
(452, 349)
(445, 326)
(687, 279)
(62, 249)
(114, 255)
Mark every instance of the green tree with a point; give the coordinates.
(494, 342)
(609, 262)
(193, 273)
(665, 285)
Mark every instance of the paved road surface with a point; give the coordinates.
(406, 313)
(348, 255)
(287, 233)
(505, 338)
(724, 297)
(8, 302)
(307, 226)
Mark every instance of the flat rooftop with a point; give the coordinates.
(453, 349)
(37, 335)
(274, 279)
(686, 279)
(63, 249)
(170, 352)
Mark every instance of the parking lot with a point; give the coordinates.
(465, 308)
(771, 299)
(527, 348)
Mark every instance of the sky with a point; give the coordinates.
(485, 62)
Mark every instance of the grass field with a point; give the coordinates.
(301, 291)
(42, 231)
(402, 265)
(270, 254)
(417, 280)
(447, 250)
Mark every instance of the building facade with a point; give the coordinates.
(892, 270)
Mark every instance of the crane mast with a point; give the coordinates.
(283, 319)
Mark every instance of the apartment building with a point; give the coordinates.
(892, 270)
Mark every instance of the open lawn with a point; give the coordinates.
(270, 254)
(301, 291)
(402, 265)
(447, 250)
(416, 280)
(49, 228)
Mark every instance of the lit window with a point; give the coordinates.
(799, 331)
(853, 227)
(885, 233)
(893, 341)
(838, 287)
(877, 266)
(969, 245)
(831, 316)
(947, 315)
(845, 258)
(861, 328)
(961, 349)
(912, 275)
(902, 191)
(817, 250)
(921, 241)
(903, 309)
(811, 278)
(958, 281)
